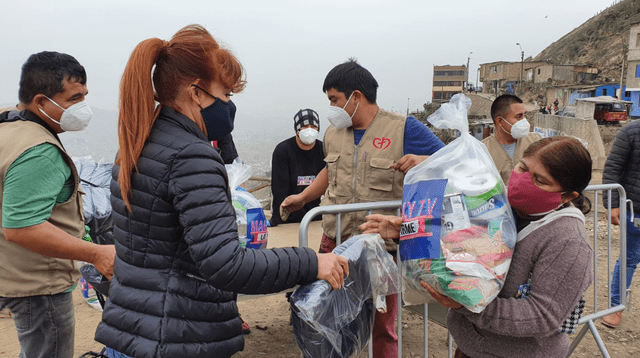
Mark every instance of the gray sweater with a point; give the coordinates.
(556, 253)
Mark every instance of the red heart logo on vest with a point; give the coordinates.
(382, 143)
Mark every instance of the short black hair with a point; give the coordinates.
(502, 104)
(44, 72)
(350, 76)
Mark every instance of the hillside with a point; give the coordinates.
(601, 41)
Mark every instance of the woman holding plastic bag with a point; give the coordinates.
(179, 264)
(551, 264)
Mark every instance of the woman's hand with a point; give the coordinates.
(387, 226)
(444, 300)
(333, 268)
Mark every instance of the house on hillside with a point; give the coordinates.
(562, 74)
(585, 73)
(568, 94)
(503, 76)
(553, 73)
(633, 70)
(612, 90)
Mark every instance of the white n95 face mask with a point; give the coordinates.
(339, 117)
(520, 129)
(75, 118)
(308, 135)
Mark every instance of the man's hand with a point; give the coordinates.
(615, 216)
(408, 161)
(48, 240)
(104, 258)
(387, 226)
(290, 204)
(444, 300)
(333, 268)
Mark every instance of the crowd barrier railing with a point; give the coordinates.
(437, 312)
(588, 320)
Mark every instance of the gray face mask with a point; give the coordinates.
(75, 118)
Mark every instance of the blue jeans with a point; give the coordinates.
(111, 353)
(633, 258)
(45, 324)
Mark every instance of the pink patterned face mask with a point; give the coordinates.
(528, 199)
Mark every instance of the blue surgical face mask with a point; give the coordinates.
(218, 117)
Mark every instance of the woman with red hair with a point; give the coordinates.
(179, 265)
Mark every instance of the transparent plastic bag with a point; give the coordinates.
(250, 218)
(472, 243)
(337, 323)
(95, 182)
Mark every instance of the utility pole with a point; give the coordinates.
(467, 70)
(407, 107)
(522, 67)
(477, 78)
(624, 50)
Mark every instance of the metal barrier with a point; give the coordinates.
(435, 311)
(589, 319)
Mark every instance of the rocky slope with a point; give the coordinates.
(601, 41)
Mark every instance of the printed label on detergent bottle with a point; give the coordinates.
(491, 203)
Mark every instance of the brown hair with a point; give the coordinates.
(568, 162)
(191, 54)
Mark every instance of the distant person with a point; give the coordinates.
(623, 167)
(510, 135)
(368, 151)
(295, 164)
(42, 222)
(551, 266)
(179, 263)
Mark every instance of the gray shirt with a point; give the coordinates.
(558, 258)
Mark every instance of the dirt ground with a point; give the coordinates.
(272, 336)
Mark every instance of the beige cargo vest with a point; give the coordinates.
(504, 163)
(22, 272)
(363, 173)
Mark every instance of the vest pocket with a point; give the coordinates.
(332, 168)
(381, 174)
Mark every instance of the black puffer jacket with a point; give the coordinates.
(623, 165)
(178, 261)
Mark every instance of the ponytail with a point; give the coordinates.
(136, 115)
(191, 54)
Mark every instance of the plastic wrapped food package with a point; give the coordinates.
(95, 180)
(465, 250)
(250, 218)
(337, 323)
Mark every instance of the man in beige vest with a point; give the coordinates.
(367, 152)
(41, 206)
(510, 136)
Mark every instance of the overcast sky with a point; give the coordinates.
(287, 47)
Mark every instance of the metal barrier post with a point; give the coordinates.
(595, 250)
(623, 263)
